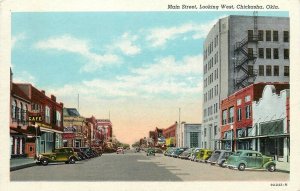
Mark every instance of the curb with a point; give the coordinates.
(281, 170)
(22, 166)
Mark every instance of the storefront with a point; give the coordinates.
(17, 144)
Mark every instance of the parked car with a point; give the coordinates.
(194, 154)
(120, 150)
(249, 159)
(169, 151)
(158, 150)
(88, 152)
(178, 151)
(80, 153)
(150, 151)
(97, 150)
(203, 155)
(185, 154)
(219, 157)
(65, 154)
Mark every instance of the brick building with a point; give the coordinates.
(170, 135)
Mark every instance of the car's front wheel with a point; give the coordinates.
(44, 162)
(242, 167)
(271, 168)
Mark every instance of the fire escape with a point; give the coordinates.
(245, 58)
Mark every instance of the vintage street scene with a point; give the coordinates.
(150, 96)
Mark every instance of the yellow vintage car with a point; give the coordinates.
(203, 155)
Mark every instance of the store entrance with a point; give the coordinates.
(272, 147)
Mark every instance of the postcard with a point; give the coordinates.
(140, 95)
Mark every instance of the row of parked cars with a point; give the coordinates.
(241, 159)
(69, 155)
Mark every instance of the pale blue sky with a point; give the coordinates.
(141, 66)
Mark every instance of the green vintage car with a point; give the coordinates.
(65, 154)
(249, 159)
(151, 151)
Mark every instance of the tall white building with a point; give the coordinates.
(238, 51)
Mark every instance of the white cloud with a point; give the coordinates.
(78, 46)
(126, 44)
(24, 77)
(159, 36)
(17, 38)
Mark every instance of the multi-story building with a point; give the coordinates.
(238, 51)
(189, 135)
(170, 135)
(91, 140)
(20, 106)
(237, 120)
(45, 119)
(104, 126)
(75, 129)
(271, 123)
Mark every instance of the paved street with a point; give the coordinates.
(138, 167)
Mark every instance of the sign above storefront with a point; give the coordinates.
(36, 118)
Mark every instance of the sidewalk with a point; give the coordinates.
(19, 163)
(283, 167)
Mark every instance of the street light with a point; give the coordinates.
(231, 127)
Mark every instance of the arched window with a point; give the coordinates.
(25, 113)
(58, 118)
(20, 111)
(13, 109)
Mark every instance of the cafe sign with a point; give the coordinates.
(36, 118)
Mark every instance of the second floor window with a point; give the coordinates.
(47, 114)
(14, 109)
(248, 111)
(224, 117)
(58, 118)
(231, 115)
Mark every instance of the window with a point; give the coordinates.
(25, 113)
(239, 114)
(275, 36)
(268, 35)
(231, 115)
(250, 70)
(275, 53)
(224, 117)
(238, 102)
(261, 53)
(261, 35)
(286, 71)
(268, 53)
(250, 52)
(250, 35)
(215, 129)
(193, 139)
(286, 53)
(276, 70)
(47, 114)
(204, 132)
(58, 118)
(268, 70)
(248, 111)
(13, 109)
(261, 70)
(247, 98)
(20, 112)
(285, 36)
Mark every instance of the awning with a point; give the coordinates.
(19, 131)
(263, 136)
(50, 130)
